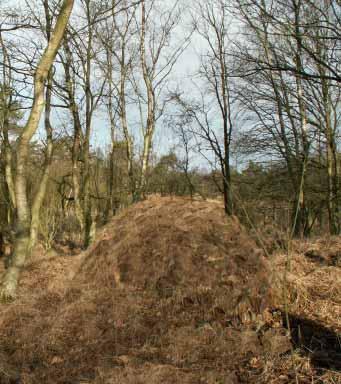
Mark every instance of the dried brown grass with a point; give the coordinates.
(171, 292)
(314, 284)
(314, 307)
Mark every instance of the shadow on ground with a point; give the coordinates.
(322, 345)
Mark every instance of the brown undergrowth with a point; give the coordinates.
(314, 306)
(171, 292)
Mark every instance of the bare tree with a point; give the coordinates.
(290, 38)
(11, 277)
(118, 39)
(158, 58)
(42, 186)
(213, 24)
(84, 95)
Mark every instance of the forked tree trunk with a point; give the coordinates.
(41, 192)
(11, 277)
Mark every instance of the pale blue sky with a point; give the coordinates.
(181, 77)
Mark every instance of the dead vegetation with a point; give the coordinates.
(174, 292)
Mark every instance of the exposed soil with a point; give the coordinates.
(172, 292)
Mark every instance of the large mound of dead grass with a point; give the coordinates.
(171, 292)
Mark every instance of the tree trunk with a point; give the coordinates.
(41, 192)
(77, 134)
(302, 213)
(124, 122)
(109, 211)
(6, 103)
(8, 173)
(150, 127)
(11, 277)
(228, 202)
(145, 163)
(332, 171)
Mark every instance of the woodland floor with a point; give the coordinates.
(174, 292)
